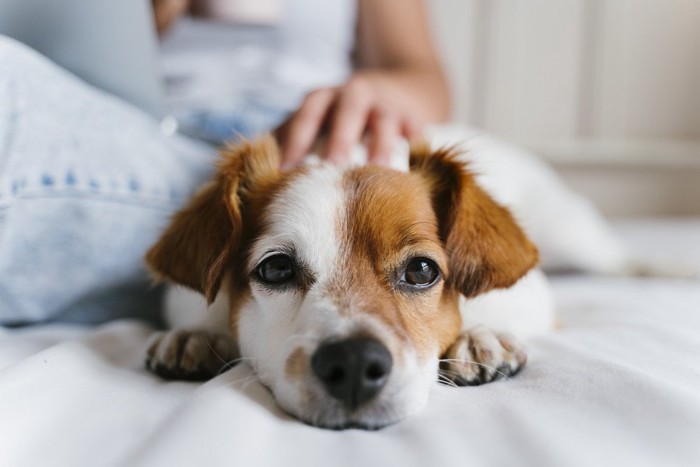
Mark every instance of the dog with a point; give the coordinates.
(349, 290)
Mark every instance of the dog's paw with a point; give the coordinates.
(190, 355)
(480, 356)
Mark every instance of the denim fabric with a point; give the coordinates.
(249, 119)
(87, 182)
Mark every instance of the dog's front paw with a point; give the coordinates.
(190, 355)
(480, 356)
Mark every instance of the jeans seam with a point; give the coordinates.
(140, 201)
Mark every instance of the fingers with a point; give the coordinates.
(165, 12)
(385, 128)
(351, 110)
(304, 126)
(411, 129)
(349, 120)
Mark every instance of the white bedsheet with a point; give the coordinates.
(618, 384)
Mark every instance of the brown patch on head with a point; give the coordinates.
(209, 236)
(205, 234)
(239, 295)
(486, 247)
(390, 220)
(297, 365)
(436, 211)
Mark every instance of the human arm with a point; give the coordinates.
(397, 87)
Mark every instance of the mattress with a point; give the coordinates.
(617, 384)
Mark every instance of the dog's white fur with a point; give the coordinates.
(567, 230)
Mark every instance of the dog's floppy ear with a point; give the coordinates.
(486, 247)
(203, 237)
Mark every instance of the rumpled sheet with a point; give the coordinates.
(618, 384)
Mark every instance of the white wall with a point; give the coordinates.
(614, 75)
(543, 69)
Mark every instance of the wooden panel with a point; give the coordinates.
(647, 74)
(534, 71)
(537, 70)
(606, 90)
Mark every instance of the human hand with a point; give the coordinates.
(346, 113)
(165, 12)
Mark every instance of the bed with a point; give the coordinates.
(617, 384)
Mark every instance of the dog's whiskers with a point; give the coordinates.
(214, 350)
(465, 361)
(226, 365)
(231, 363)
(244, 381)
(447, 381)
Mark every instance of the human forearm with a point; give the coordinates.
(395, 46)
(397, 87)
(421, 93)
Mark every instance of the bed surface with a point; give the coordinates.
(618, 384)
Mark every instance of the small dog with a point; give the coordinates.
(349, 291)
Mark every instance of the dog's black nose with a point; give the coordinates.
(354, 370)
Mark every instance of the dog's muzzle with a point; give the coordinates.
(352, 371)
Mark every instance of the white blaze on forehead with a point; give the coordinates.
(306, 215)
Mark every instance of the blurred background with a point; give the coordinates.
(606, 90)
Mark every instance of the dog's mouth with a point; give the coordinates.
(351, 376)
(312, 403)
(351, 426)
(370, 418)
(346, 383)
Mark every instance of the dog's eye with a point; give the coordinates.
(277, 269)
(420, 272)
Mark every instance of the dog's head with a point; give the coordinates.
(343, 283)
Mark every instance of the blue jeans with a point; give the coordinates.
(87, 182)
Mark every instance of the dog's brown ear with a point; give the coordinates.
(203, 237)
(486, 247)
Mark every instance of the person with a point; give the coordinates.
(87, 182)
(394, 85)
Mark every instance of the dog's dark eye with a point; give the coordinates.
(420, 272)
(277, 269)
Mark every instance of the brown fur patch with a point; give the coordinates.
(203, 237)
(193, 249)
(238, 296)
(389, 220)
(435, 211)
(487, 248)
(210, 235)
(297, 365)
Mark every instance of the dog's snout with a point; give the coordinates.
(353, 370)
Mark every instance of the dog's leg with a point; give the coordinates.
(190, 354)
(480, 356)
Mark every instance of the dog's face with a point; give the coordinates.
(343, 283)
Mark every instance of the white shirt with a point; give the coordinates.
(217, 67)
